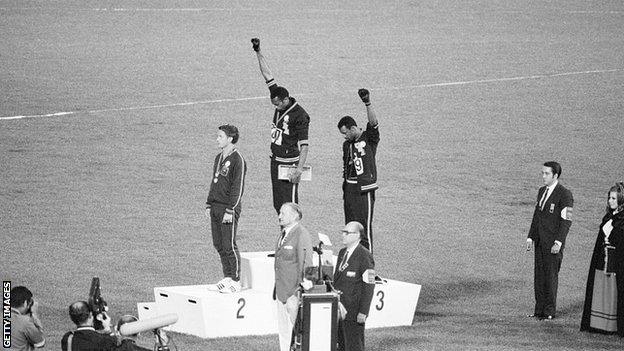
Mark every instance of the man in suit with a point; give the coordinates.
(85, 337)
(355, 277)
(293, 254)
(551, 222)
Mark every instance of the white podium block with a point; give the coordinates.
(147, 310)
(257, 271)
(207, 313)
(394, 304)
(202, 311)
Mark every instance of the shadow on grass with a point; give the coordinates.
(442, 293)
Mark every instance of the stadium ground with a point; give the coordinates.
(108, 114)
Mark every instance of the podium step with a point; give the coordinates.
(207, 313)
(394, 304)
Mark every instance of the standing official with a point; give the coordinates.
(354, 276)
(551, 222)
(289, 136)
(223, 205)
(293, 254)
(360, 169)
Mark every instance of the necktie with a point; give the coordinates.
(543, 200)
(343, 264)
(281, 240)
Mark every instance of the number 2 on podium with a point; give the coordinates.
(241, 302)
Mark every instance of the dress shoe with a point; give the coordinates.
(547, 318)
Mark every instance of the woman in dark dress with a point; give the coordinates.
(611, 234)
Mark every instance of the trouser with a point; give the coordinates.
(350, 336)
(283, 190)
(224, 240)
(546, 279)
(358, 206)
(286, 317)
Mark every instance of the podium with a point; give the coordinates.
(207, 313)
(202, 311)
(320, 320)
(393, 304)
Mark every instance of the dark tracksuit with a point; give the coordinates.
(360, 181)
(289, 132)
(226, 191)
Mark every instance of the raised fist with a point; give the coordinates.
(364, 95)
(256, 44)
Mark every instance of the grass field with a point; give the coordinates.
(108, 112)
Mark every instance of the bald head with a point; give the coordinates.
(351, 233)
(79, 312)
(354, 226)
(290, 213)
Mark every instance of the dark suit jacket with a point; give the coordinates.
(550, 224)
(291, 258)
(89, 340)
(356, 294)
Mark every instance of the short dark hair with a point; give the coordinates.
(19, 295)
(618, 189)
(347, 121)
(279, 92)
(555, 166)
(230, 131)
(79, 312)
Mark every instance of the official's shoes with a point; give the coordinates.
(536, 316)
(233, 286)
(547, 318)
(223, 283)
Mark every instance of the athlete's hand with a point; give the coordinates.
(207, 212)
(294, 176)
(529, 244)
(364, 95)
(555, 248)
(256, 44)
(227, 218)
(361, 318)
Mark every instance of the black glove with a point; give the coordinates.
(365, 96)
(256, 44)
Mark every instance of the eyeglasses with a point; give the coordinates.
(346, 232)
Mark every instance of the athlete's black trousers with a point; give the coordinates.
(283, 190)
(359, 206)
(224, 240)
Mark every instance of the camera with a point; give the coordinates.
(97, 305)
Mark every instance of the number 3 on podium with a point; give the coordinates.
(379, 306)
